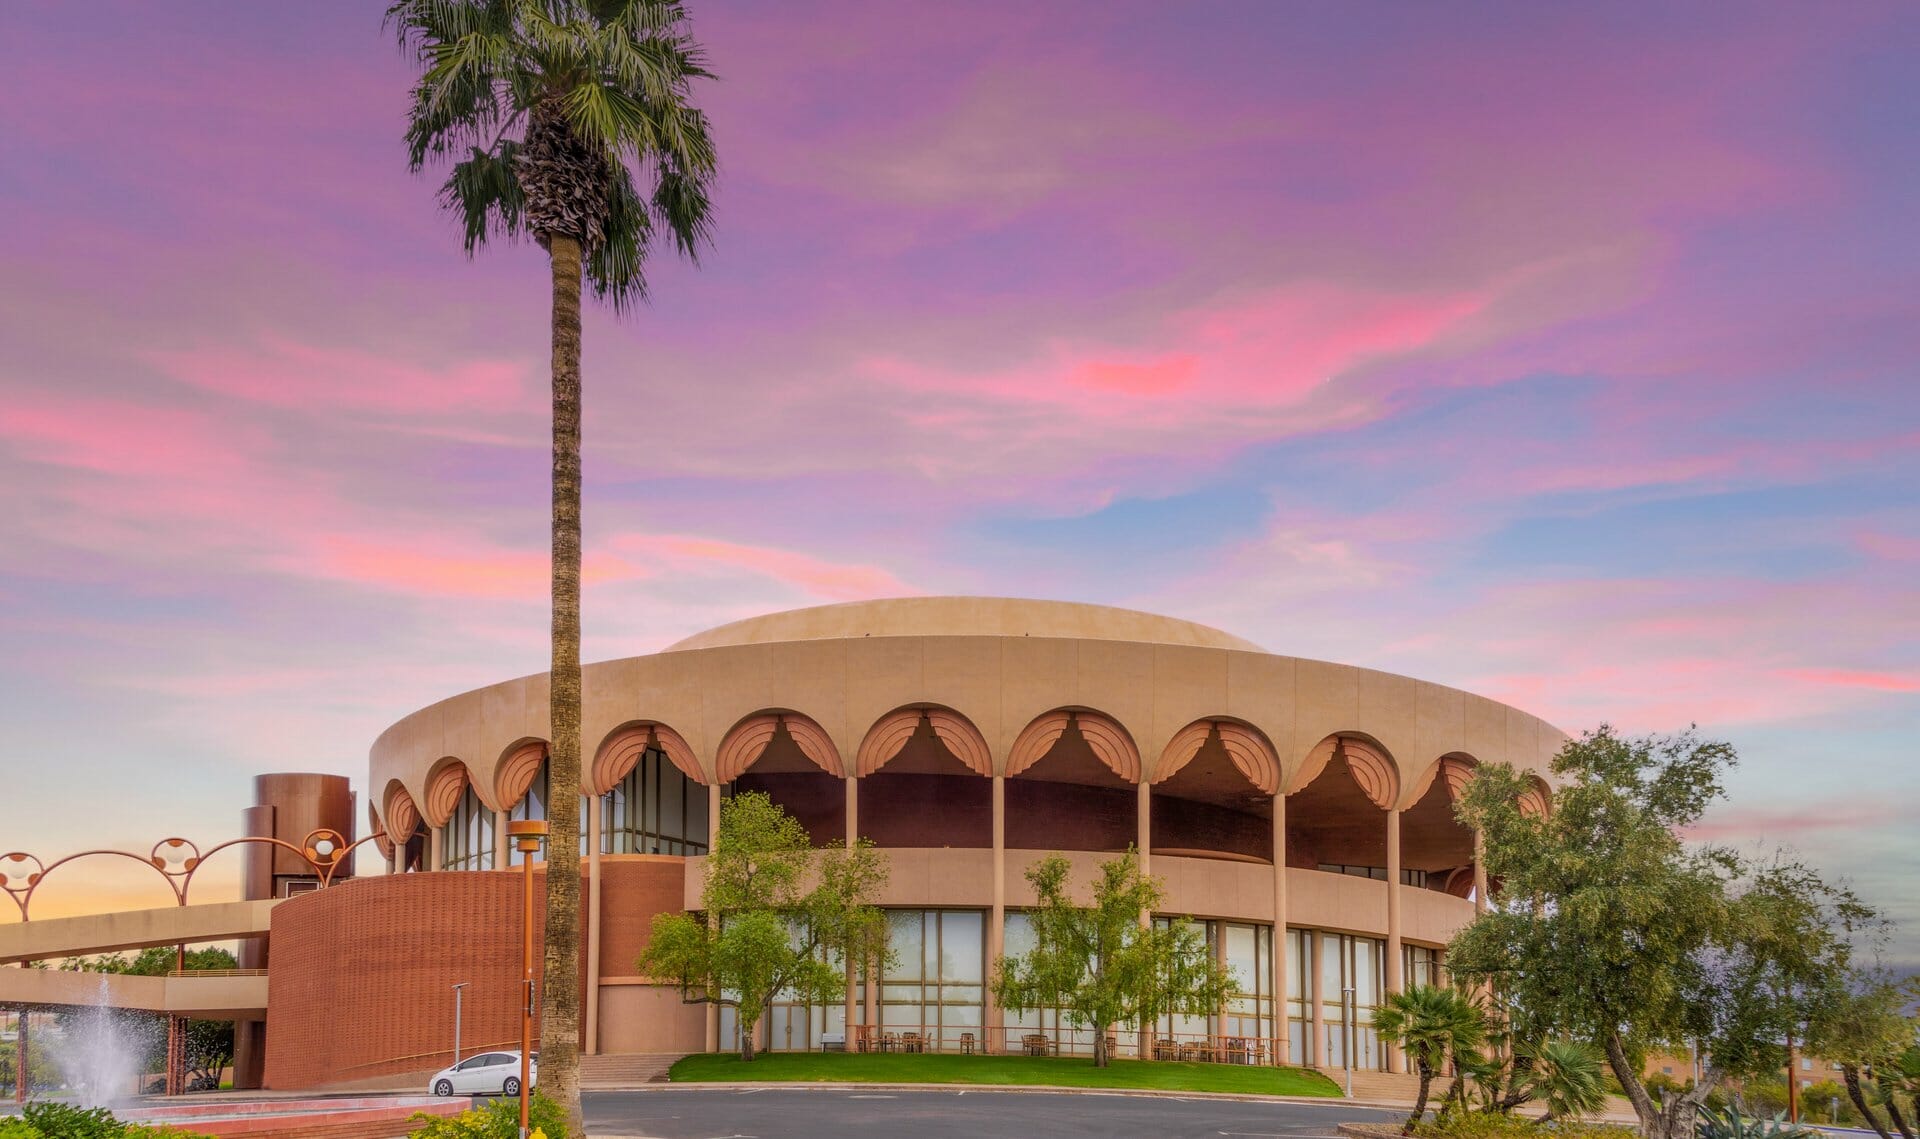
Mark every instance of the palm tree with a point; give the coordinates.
(1568, 1078)
(554, 115)
(1431, 1024)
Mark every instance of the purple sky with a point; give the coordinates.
(1565, 354)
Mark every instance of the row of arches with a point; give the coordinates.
(1080, 781)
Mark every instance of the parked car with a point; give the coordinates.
(485, 1073)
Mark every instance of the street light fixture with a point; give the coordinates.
(527, 835)
(456, 1022)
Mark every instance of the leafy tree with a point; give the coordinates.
(778, 913)
(1105, 964)
(1609, 928)
(555, 114)
(1432, 1024)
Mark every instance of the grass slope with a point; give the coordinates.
(891, 1068)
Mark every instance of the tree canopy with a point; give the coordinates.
(1106, 964)
(1610, 928)
(779, 915)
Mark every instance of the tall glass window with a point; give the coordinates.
(1421, 966)
(533, 807)
(655, 810)
(936, 985)
(1299, 993)
(1248, 951)
(466, 839)
(1358, 963)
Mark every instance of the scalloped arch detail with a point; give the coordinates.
(750, 737)
(1372, 770)
(403, 815)
(622, 751)
(1456, 771)
(886, 738)
(518, 770)
(1108, 740)
(1248, 749)
(1537, 800)
(380, 840)
(444, 789)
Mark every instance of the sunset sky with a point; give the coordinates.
(1562, 353)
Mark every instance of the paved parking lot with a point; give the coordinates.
(850, 1113)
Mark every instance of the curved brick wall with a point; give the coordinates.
(360, 982)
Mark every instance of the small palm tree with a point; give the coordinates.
(1431, 1024)
(1568, 1078)
(555, 114)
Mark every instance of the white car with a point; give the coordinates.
(485, 1073)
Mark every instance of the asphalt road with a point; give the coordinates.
(850, 1113)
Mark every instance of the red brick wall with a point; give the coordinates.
(360, 980)
(637, 887)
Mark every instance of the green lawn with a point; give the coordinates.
(893, 1068)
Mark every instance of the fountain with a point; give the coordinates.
(103, 1050)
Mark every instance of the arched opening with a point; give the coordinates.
(463, 824)
(1213, 796)
(651, 794)
(789, 758)
(925, 781)
(1071, 784)
(1436, 850)
(1336, 821)
(406, 830)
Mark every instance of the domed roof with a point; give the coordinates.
(964, 617)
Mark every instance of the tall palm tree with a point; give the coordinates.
(1431, 1024)
(555, 115)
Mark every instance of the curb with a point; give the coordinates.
(1016, 1089)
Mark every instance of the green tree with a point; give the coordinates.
(1432, 1024)
(1569, 1077)
(555, 114)
(1609, 928)
(1105, 964)
(780, 915)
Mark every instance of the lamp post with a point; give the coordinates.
(527, 835)
(1346, 1017)
(456, 1021)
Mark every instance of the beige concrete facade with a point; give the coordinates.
(1264, 790)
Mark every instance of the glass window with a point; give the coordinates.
(466, 839)
(1356, 963)
(655, 810)
(936, 985)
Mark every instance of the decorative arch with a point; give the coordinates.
(891, 733)
(1372, 768)
(1247, 748)
(518, 768)
(750, 737)
(380, 840)
(402, 814)
(1108, 740)
(621, 751)
(445, 784)
(1537, 799)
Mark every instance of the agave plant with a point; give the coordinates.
(1729, 1123)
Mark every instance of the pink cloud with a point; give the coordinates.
(813, 576)
(1841, 814)
(283, 372)
(1857, 678)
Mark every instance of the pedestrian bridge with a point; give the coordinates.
(215, 995)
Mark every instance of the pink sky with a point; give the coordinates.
(1563, 354)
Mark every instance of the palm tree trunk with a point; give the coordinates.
(1852, 1074)
(1420, 1102)
(560, 989)
(1894, 1113)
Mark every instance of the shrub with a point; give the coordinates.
(499, 1119)
(13, 1127)
(44, 1120)
(1492, 1125)
(1828, 1099)
(1730, 1124)
(1763, 1097)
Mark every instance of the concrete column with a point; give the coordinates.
(433, 849)
(853, 973)
(1317, 1037)
(1145, 841)
(593, 925)
(500, 847)
(1279, 1051)
(713, 836)
(1396, 979)
(997, 921)
(1479, 873)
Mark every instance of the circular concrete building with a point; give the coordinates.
(966, 737)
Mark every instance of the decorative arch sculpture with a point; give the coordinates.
(1250, 752)
(1372, 768)
(445, 785)
(518, 769)
(1107, 739)
(380, 840)
(750, 737)
(621, 752)
(1537, 799)
(403, 815)
(886, 738)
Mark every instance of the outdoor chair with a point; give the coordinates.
(966, 1044)
(1165, 1049)
(911, 1042)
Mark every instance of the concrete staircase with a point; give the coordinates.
(626, 1069)
(1381, 1087)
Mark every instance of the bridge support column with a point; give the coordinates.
(176, 1055)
